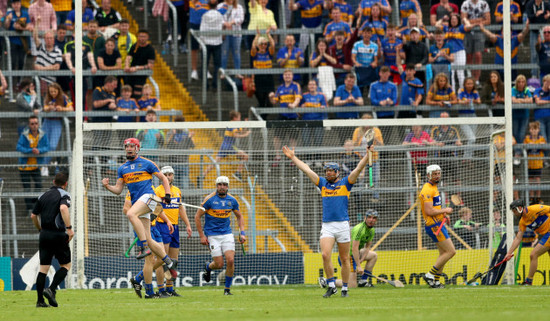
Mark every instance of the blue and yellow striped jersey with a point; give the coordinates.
(536, 219)
(311, 12)
(217, 219)
(137, 175)
(335, 199)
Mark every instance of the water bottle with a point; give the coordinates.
(471, 104)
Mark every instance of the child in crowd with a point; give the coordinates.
(148, 101)
(126, 103)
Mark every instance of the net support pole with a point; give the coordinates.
(78, 159)
(491, 195)
(509, 275)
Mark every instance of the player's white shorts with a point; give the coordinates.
(147, 199)
(220, 244)
(338, 230)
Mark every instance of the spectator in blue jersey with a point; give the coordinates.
(412, 92)
(335, 229)
(137, 175)
(312, 16)
(441, 95)
(217, 233)
(346, 10)
(407, 8)
(377, 23)
(335, 25)
(229, 148)
(364, 11)
(16, 20)
(197, 8)
(392, 52)
(290, 56)
(288, 95)
(515, 13)
(469, 97)
(383, 93)
(128, 104)
(313, 136)
(321, 57)
(543, 51)
(441, 56)
(364, 56)
(498, 40)
(87, 16)
(542, 99)
(261, 53)
(347, 95)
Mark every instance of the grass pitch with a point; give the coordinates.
(288, 303)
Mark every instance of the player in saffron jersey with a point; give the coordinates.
(534, 217)
(137, 174)
(335, 228)
(433, 214)
(217, 234)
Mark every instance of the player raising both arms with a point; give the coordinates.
(137, 174)
(217, 232)
(433, 214)
(173, 212)
(534, 217)
(335, 228)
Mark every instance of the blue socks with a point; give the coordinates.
(139, 277)
(228, 281)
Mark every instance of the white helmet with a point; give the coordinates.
(167, 170)
(432, 168)
(222, 180)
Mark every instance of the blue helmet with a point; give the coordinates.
(371, 212)
(332, 165)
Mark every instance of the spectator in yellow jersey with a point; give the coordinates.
(124, 38)
(434, 216)
(534, 217)
(535, 162)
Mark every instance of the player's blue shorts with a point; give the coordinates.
(442, 236)
(154, 234)
(167, 238)
(352, 265)
(545, 240)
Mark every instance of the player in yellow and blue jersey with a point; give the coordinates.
(137, 173)
(174, 212)
(534, 217)
(217, 234)
(433, 214)
(335, 228)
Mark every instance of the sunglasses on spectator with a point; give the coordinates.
(547, 31)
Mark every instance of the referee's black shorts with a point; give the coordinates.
(54, 243)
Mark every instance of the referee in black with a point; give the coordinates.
(51, 218)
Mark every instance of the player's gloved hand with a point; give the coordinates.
(167, 198)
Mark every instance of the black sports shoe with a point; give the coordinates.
(42, 305)
(206, 276)
(227, 292)
(152, 296)
(525, 283)
(137, 287)
(143, 253)
(50, 295)
(344, 293)
(330, 291)
(364, 284)
(429, 280)
(163, 294)
(173, 293)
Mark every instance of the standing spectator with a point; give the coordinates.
(104, 99)
(407, 8)
(17, 19)
(412, 92)
(147, 101)
(262, 52)
(313, 99)
(441, 94)
(140, 57)
(197, 8)
(413, 21)
(493, 92)
(417, 138)
(384, 93)
(377, 23)
(537, 12)
(33, 141)
(364, 56)
(477, 12)
(124, 39)
(346, 10)
(107, 17)
(55, 101)
(542, 115)
(48, 57)
(26, 101)
(520, 116)
(87, 16)
(515, 14)
(126, 103)
(45, 11)
(212, 20)
(416, 52)
(442, 11)
(60, 42)
(468, 96)
(261, 18)
(312, 17)
(97, 42)
(88, 62)
(455, 34)
(109, 58)
(535, 162)
(445, 135)
(391, 48)
(61, 37)
(232, 20)
(341, 51)
(336, 24)
(347, 95)
(290, 56)
(441, 56)
(543, 51)
(62, 9)
(364, 11)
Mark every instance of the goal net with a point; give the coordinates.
(282, 208)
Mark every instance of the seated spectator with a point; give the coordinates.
(262, 58)
(33, 141)
(383, 93)
(126, 103)
(150, 138)
(104, 99)
(107, 17)
(535, 163)
(341, 51)
(392, 52)
(455, 33)
(413, 22)
(48, 57)
(140, 57)
(346, 95)
(290, 56)
(321, 57)
(212, 20)
(55, 101)
(364, 56)
(87, 16)
(520, 116)
(412, 92)
(466, 228)
(17, 19)
(492, 93)
(418, 138)
(416, 53)
(442, 11)
(377, 23)
(468, 96)
(346, 10)
(313, 136)
(542, 99)
(42, 17)
(336, 24)
(441, 56)
(26, 101)
(441, 94)
(445, 135)
(147, 101)
(543, 51)
(406, 9)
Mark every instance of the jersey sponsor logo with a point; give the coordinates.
(219, 213)
(136, 177)
(437, 201)
(538, 222)
(338, 191)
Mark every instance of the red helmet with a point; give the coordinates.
(134, 141)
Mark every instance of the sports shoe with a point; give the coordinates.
(143, 253)
(152, 296)
(227, 292)
(163, 294)
(137, 287)
(429, 280)
(238, 176)
(344, 293)
(330, 291)
(438, 285)
(173, 293)
(42, 305)
(525, 283)
(50, 295)
(173, 273)
(208, 75)
(364, 284)
(44, 171)
(206, 276)
(322, 282)
(194, 75)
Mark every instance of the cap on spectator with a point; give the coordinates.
(415, 29)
